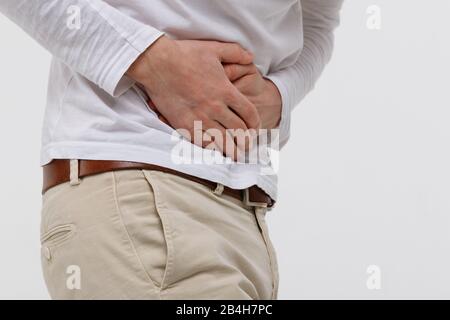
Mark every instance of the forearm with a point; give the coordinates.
(101, 48)
(320, 18)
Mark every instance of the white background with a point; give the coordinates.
(365, 179)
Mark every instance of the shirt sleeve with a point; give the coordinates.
(90, 36)
(320, 18)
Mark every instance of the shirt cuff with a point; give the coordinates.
(116, 82)
(286, 108)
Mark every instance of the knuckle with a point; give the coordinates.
(216, 108)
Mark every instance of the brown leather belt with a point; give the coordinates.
(58, 171)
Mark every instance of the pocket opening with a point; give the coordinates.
(57, 234)
(166, 279)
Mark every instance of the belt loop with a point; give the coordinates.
(74, 173)
(219, 189)
(249, 203)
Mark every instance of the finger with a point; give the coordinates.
(236, 71)
(211, 144)
(243, 139)
(228, 119)
(218, 138)
(209, 134)
(243, 107)
(235, 126)
(232, 53)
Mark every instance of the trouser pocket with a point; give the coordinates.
(215, 247)
(148, 227)
(89, 248)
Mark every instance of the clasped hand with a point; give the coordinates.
(213, 82)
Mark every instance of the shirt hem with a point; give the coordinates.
(219, 173)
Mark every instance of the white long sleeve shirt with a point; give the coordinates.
(95, 112)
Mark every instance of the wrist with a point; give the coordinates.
(140, 70)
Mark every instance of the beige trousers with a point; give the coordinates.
(140, 234)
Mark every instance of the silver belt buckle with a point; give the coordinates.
(249, 203)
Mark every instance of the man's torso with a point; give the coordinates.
(84, 122)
